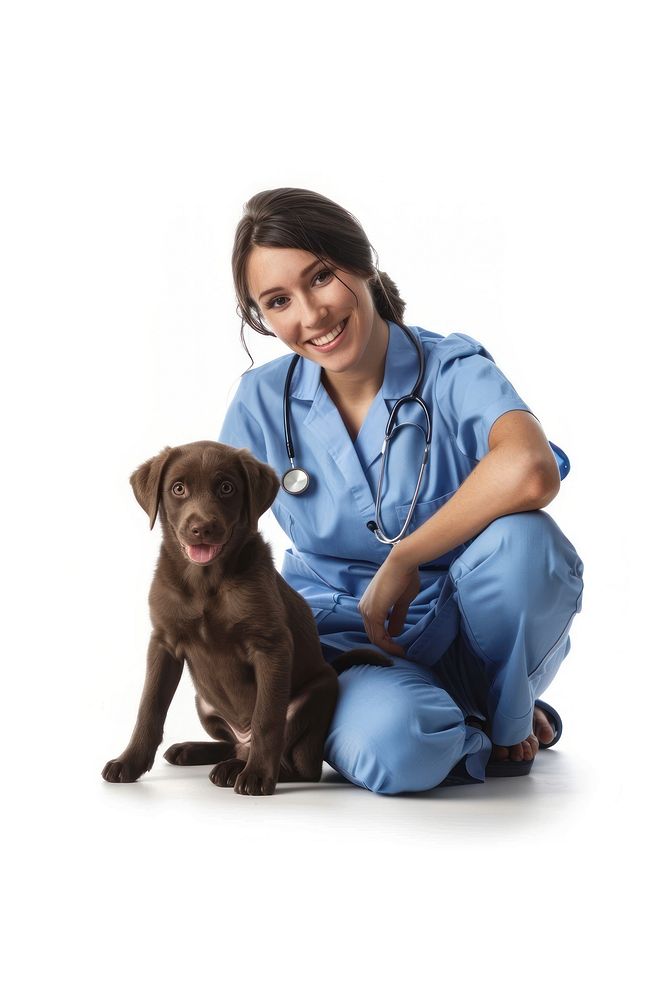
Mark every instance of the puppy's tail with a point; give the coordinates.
(356, 657)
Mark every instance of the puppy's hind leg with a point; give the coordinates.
(308, 718)
(205, 752)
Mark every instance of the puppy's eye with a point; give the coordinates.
(178, 489)
(226, 488)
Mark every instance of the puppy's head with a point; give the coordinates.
(207, 492)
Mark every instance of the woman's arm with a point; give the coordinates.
(519, 472)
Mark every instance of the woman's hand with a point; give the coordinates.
(389, 595)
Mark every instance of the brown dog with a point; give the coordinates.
(264, 691)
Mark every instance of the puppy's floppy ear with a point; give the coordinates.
(261, 482)
(146, 482)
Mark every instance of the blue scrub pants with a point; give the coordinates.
(502, 619)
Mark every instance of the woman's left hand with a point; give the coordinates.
(388, 595)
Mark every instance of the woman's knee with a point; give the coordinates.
(529, 556)
(525, 534)
(405, 737)
(519, 585)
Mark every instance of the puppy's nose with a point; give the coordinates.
(203, 531)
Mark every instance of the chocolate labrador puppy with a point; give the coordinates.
(264, 691)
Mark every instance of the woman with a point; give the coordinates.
(475, 601)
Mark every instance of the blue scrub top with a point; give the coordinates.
(333, 555)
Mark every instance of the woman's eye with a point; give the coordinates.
(327, 271)
(178, 489)
(226, 488)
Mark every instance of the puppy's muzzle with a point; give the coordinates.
(201, 539)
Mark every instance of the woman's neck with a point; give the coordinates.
(364, 381)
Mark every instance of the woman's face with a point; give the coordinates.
(301, 301)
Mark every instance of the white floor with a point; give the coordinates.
(172, 887)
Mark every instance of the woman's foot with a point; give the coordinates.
(527, 749)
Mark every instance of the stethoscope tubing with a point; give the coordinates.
(295, 480)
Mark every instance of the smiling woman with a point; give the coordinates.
(326, 314)
(476, 601)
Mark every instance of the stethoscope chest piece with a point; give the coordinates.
(295, 481)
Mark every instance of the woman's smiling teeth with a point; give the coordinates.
(327, 338)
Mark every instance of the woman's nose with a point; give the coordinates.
(313, 315)
(313, 312)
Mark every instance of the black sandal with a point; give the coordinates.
(517, 768)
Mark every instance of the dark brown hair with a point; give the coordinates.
(298, 219)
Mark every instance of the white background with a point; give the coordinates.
(507, 162)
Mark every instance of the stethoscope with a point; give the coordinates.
(295, 480)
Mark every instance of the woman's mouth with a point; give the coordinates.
(328, 341)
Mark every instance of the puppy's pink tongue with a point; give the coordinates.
(203, 553)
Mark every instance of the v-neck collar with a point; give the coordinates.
(323, 419)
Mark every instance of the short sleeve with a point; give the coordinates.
(472, 393)
(240, 429)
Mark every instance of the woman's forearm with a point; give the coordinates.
(504, 482)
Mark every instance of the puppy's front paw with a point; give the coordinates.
(253, 781)
(224, 774)
(125, 769)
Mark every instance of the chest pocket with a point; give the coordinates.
(290, 525)
(425, 509)
(301, 530)
(344, 531)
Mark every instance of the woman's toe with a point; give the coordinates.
(541, 727)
